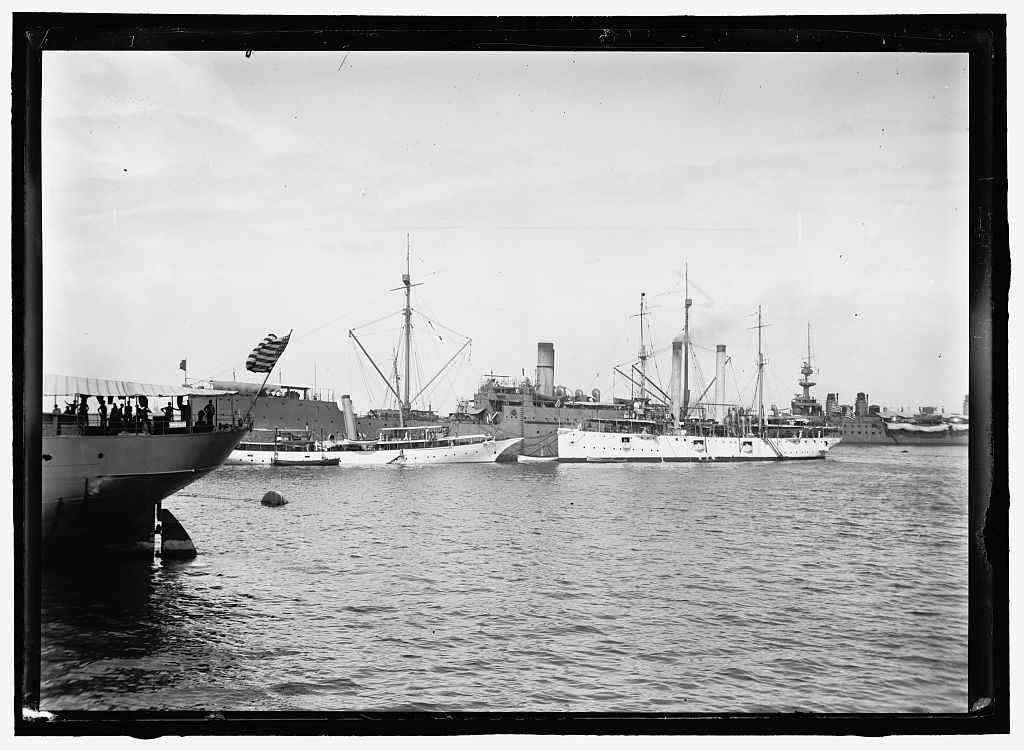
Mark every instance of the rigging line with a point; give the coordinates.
(736, 385)
(439, 323)
(751, 387)
(443, 368)
(703, 348)
(339, 317)
(611, 350)
(378, 320)
(450, 394)
(653, 356)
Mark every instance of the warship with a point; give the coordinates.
(867, 424)
(729, 435)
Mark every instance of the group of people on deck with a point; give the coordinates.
(116, 417)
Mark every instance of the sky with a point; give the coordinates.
(195, 202)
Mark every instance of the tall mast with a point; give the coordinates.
(760, 377)
(643, 354)
(406, 280)
(686, 346)
(807, 370)
(401, 411)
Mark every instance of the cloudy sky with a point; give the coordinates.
(194, 202)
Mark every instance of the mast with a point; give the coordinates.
(807, 370)
(686, 346)
(643, 354)
(760, 377)
(401, 409)
(408, 325)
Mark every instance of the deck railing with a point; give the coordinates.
(94, 424)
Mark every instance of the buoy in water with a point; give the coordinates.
(274, 499)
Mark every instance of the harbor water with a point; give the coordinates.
(836, 586)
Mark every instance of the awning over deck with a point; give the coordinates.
(66, 385)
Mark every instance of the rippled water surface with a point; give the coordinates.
(837, 585)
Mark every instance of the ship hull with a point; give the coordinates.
(535, 424)
(472, 453)
(582, 446)
(247, 457)
(312, 459)
(100, 493)
(874, 431)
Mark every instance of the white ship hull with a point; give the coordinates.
(612, 447)
(467, 453)
(279, 458)
(247, 457)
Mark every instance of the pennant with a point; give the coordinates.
(265, 356)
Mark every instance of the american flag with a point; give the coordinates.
(265, 356)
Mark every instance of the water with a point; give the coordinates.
(813, 586)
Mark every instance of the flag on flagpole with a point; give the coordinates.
(182, 366)
(265, 356)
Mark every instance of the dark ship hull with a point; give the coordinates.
(862, 424)
(100, 492)
(872, 430)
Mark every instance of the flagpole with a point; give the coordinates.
(264, 383)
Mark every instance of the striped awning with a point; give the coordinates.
(66, 385)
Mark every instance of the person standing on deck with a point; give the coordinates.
(210, 414)
(103, 412)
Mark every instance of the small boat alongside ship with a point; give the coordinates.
(277, 448)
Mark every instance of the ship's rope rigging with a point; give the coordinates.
(426, 381)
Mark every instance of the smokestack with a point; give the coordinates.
(720, 384)
(676, 383)
(546, 368)
(861, 406)
(350, 417)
